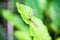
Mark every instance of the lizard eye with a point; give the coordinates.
(29, 19)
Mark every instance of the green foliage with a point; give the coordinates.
(38, 6)
(15, 19)
(58, 38)
(22, 35)
(2, 33)
(55, 15)
(29, 22)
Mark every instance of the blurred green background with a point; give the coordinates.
(46, 10)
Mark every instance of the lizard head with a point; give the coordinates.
(25, 11)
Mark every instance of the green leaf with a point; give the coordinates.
(58, 38)
(15, 20)
(21, 35)
(55, 15)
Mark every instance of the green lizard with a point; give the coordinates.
(37, 29)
